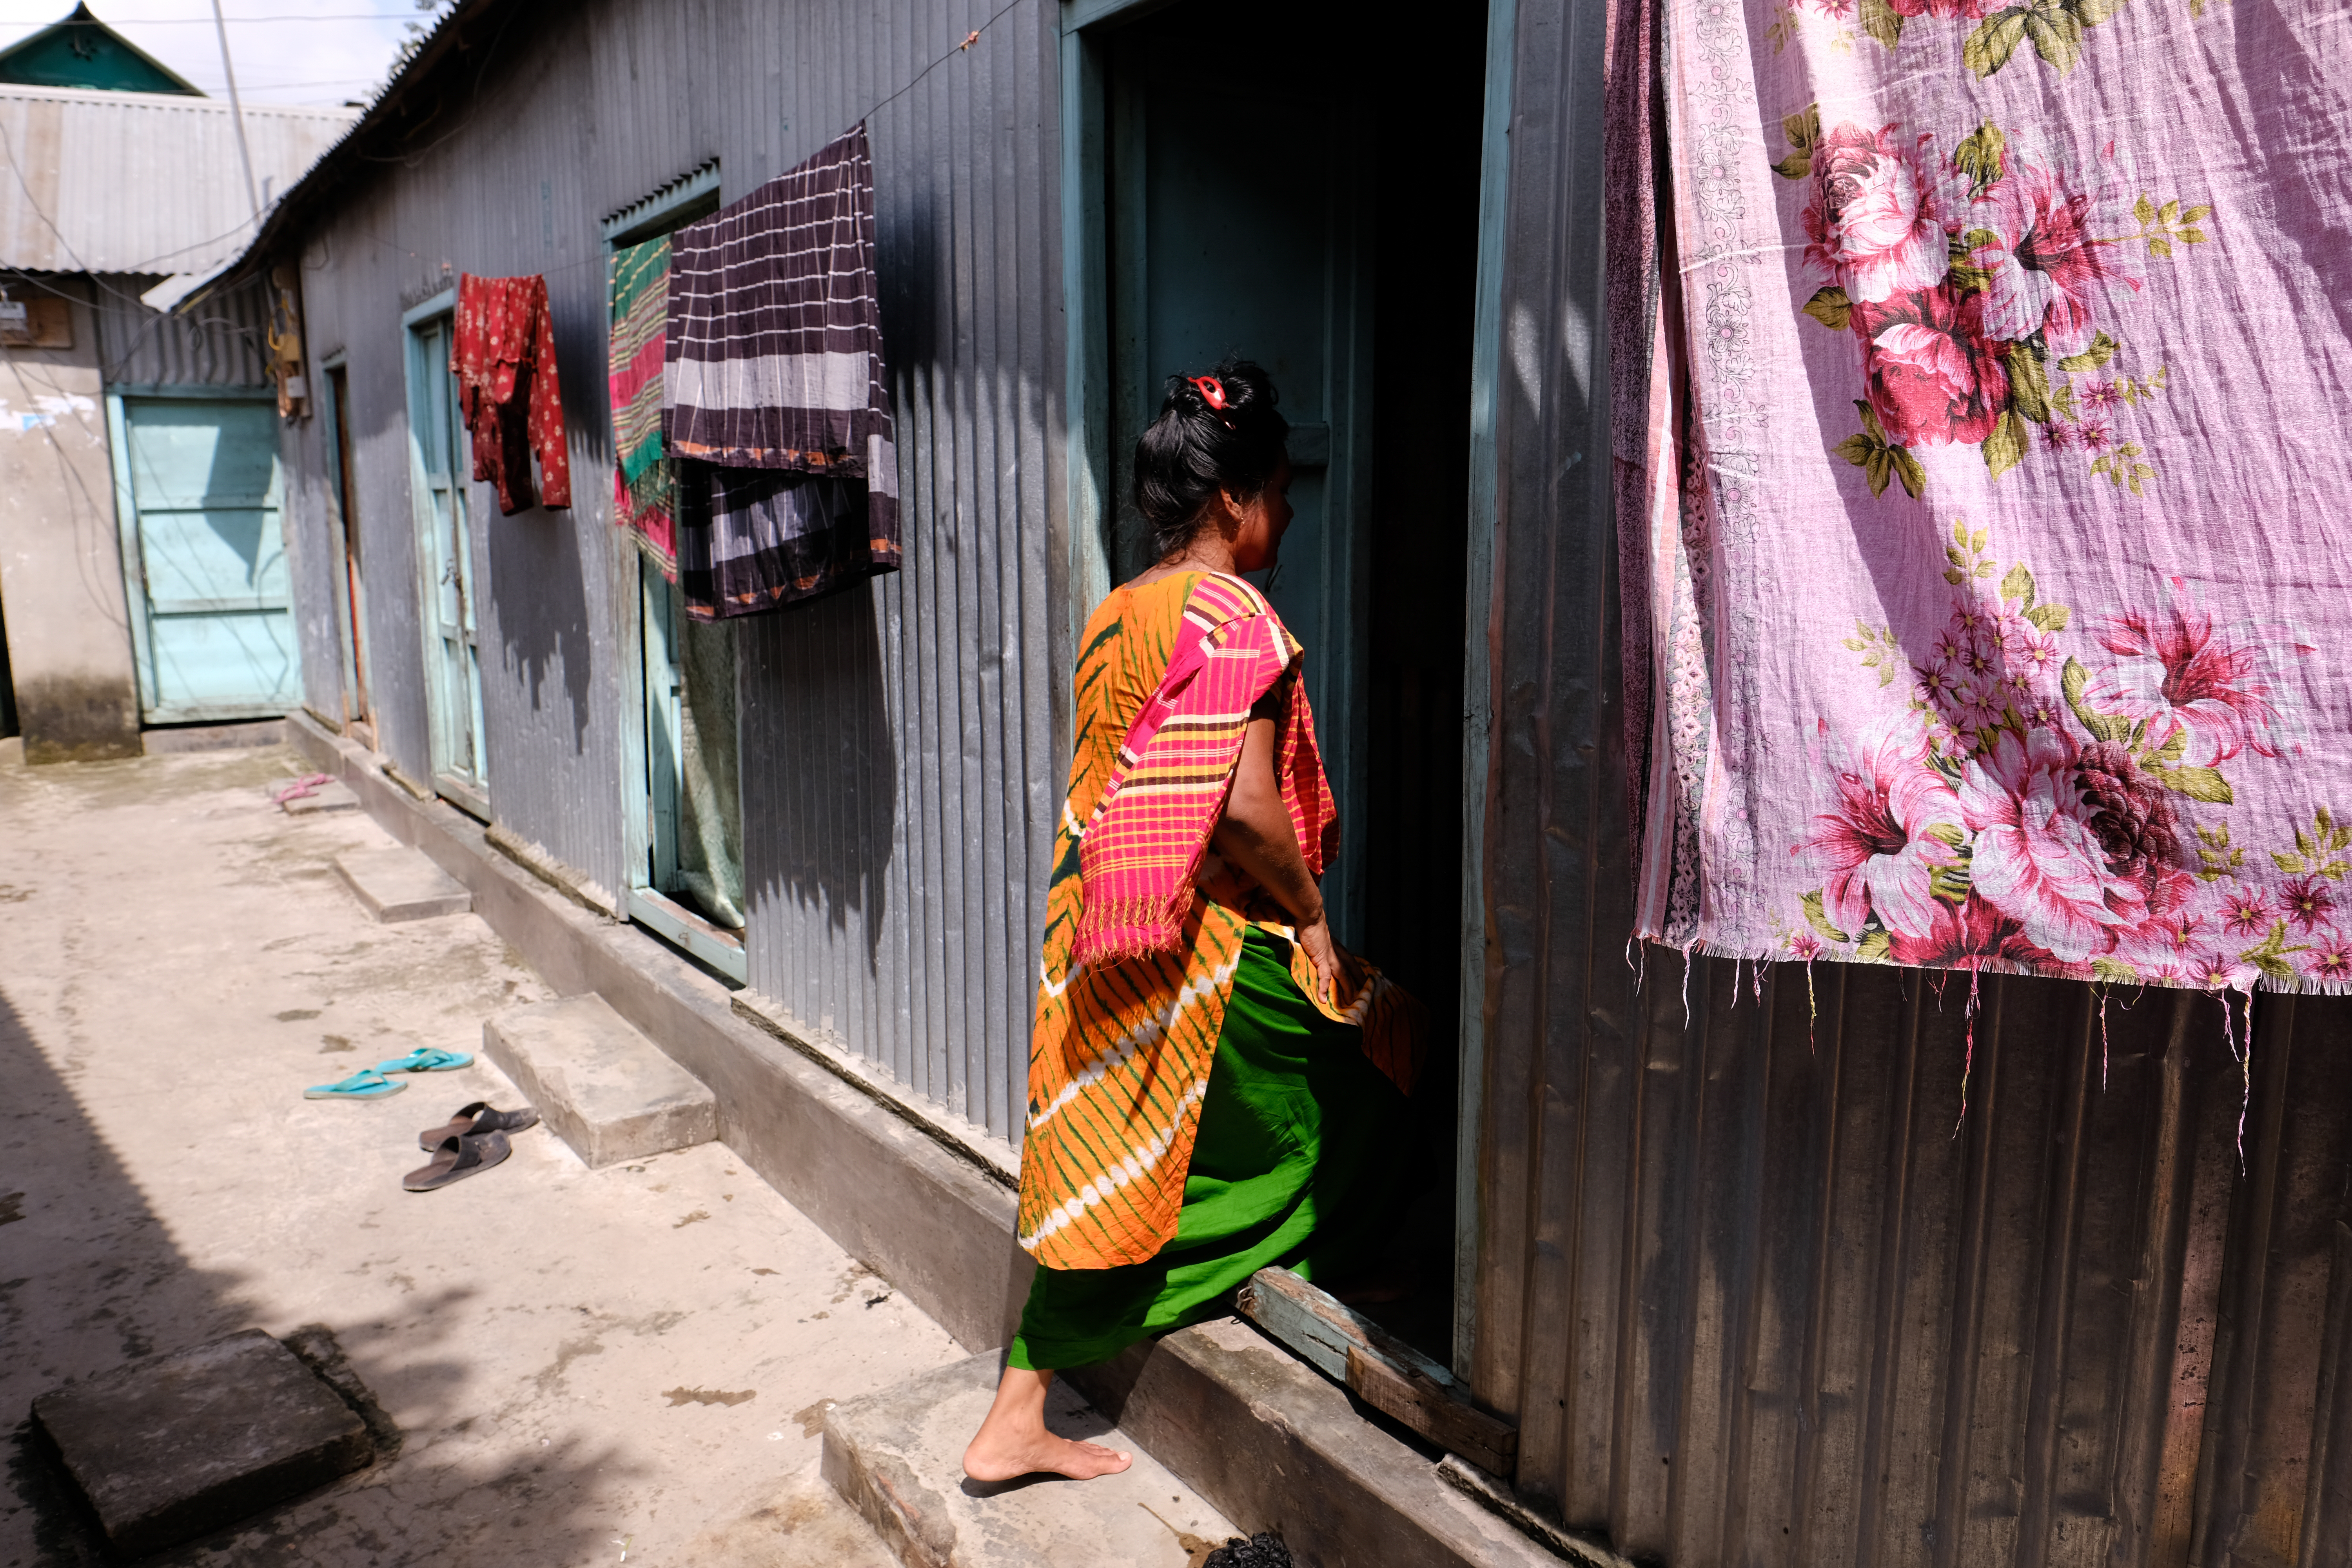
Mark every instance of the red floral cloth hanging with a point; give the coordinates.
(504, 360)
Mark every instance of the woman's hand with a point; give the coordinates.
(1338, 969)
(1257, 835)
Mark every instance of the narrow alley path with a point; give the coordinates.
(583, 1363)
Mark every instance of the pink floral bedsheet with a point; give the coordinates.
(1997, 589)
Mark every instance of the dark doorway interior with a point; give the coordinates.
(356, 710)
(8, 687)
(1300, 183)
(1429, 88)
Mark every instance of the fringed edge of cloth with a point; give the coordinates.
(1110, 931)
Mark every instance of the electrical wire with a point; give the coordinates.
(235, 21)
(153, 319)
(143, 268)
(8, 148)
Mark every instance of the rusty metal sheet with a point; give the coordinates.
(142, 183)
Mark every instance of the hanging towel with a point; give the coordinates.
(641, 469)
(504, 360)
(774, 363)
(1990, 545)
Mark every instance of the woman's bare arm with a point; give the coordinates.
(1255, 835)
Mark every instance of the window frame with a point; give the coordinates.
(692, 195)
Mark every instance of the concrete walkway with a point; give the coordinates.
(584, 1363)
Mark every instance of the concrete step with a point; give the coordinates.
(898, 1457)
(331, 796)
(399, 883)
(171, 1446)
(604, 1088)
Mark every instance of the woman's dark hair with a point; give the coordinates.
(1195, 449)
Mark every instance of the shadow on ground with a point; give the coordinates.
(90, 1277)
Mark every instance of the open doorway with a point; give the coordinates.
(1300, 184)
(7, 684)
(350, 597)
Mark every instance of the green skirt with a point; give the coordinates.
(1298, 1162)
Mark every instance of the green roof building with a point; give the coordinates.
(83, 52)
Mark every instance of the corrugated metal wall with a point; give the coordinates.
(898, 778)
(899, 858)
(1756, 1290)
(222, 342)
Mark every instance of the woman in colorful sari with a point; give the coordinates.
(1215, 1086)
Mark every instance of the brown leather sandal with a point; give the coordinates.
(476, 1118)
(456, 1159)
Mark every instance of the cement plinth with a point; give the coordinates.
(898, 1457)
(174, 1446)
(398, 883)
(604, 1088)
(322, 799)
(183, 739)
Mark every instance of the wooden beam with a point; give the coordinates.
(1380, 1369)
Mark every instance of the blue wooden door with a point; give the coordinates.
(1237, 222)
(453, 658)
(198, 490)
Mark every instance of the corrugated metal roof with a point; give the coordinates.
(136, 182)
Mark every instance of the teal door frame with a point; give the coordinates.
(1477, 675)
(154, 706)
(458, 742)
(1087, 391)
(649, 799)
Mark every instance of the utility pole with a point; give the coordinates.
(236, 112)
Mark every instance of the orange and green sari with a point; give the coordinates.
(1199, 1106)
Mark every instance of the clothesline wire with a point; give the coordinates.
(971, 38)
(962, 47)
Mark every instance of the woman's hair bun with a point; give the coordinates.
(1216, 431)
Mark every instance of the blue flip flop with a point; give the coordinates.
(427, 1059)
(364, 1084)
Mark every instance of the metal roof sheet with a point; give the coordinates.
(136, 182)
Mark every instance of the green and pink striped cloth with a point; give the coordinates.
(641, 471)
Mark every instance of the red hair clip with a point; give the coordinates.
(1213, 391)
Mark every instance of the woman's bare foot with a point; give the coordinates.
(987, 1460)
(1012, 1441)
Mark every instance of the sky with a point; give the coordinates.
(285, 51)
